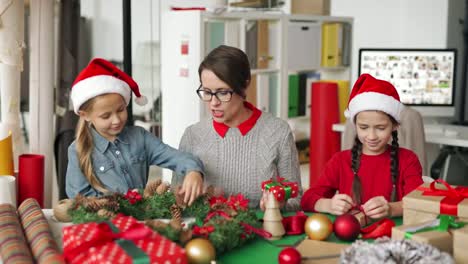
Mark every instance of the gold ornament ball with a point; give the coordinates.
(200, 251)
(318, 227)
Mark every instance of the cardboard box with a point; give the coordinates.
(460, 242)
(418, 206)
(438, 239)
(310, 7)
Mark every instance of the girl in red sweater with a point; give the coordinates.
(373, 176)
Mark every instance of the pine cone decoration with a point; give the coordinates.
(176, 212)
(156, 224)
(95, 204)
(176, 224)
(225, 208)
(105, 213)
(179, 198)
(151, 188)
(78, 201)
(185, 236)
(162, 188)
(113, 206)
(209, 192)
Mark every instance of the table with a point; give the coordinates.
(256, 251)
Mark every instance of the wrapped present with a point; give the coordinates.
(460, 240)
(282, 189)
(428, 201)
(435, 232)
(123, 240)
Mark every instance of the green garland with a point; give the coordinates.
(221, 220)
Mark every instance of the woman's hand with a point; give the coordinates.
(340, 204)
(192, 186)
(377, 207)
(264, 200)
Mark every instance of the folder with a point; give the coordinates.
(293, 97)
(332, 44)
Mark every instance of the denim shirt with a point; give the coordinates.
(124, 163)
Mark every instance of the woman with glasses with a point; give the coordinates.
(239, 145)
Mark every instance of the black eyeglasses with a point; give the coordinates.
(221, 95)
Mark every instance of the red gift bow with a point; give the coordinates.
(277, 187)
(294, 225)
(378, 229)
(452, 196)
(105, 235)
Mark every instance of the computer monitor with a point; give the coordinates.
(424, 78)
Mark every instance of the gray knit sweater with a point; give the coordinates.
(239, 163)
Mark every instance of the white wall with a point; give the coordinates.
(394, 24)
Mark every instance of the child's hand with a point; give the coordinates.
(192, 186)
(376, 207)
(340, 204)
(264, 199)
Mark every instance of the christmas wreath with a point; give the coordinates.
(226, 222)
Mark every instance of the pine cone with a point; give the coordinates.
(113, 206)
(209, 192)
(176, 212)
(156, 224)
(105, 213)
(95, 204)
(162, 188)
(185, 236)
(78, 201)
(179, 197)
(151, 188)
(176, 224)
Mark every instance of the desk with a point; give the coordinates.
(441, 134)
(256, 251)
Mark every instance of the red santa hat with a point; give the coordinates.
(370, 93)
(102, 77)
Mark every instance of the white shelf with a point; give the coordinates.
(264, 71)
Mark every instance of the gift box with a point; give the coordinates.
(460, 240)
(282, 189)
(428, 232)
(122, 240)
(428, 201)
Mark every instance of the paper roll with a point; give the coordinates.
(13, 245)
(6, 154)
(343, 97)
(8, 190)
(31, 178)
(38, 234)
(324, 142)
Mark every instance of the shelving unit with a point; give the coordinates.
(268, 37)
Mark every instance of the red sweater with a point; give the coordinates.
(374, 173)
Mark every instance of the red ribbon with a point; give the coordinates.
(378, 229)
(215, 213)
(294, 225)
(359, 209)
(452, 196)
(105, 235)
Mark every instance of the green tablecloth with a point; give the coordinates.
(261, 251)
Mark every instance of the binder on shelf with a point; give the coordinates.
(302, 105)
(273, 94)
(293, 98)
(251, 92)
(311, 78)
(263, 56)
(332, 34)
(263, 90)
(251, 43)
(346, 45)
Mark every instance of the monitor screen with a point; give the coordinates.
(423, 77)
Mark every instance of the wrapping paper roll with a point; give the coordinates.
(324, 113)
(31, 178)
(6, 154)
(38, 233)
(343, 96)
(13, 245)
(8, 190)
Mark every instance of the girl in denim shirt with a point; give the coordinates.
(107, 156)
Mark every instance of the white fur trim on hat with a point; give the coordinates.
(98, 85)
(374, 101)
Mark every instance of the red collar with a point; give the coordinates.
(244, 127)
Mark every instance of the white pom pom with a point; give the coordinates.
(142, 100)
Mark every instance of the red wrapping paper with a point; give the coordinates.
(31, 178)
(158, 248)
(324, 142)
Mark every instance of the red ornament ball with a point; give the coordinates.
(289, 255)
(347, 227)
